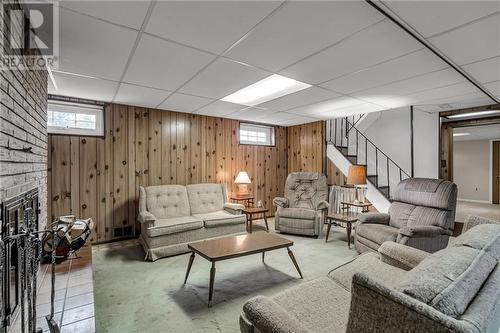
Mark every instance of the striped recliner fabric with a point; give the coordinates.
(421, 215)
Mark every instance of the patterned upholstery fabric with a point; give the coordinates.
(174, 225)
(219, 218)
(463, 295)
(171, 216)
(422, 213)
(305, 194)
(472, 220)
(167, 201)
(377, 233)
(206, 198)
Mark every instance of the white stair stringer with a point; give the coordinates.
(378, 200)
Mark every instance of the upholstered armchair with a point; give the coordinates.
(301, 210)
(421, 215)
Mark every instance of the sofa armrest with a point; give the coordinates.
(234, 208)
(268, 316)
(322, 205)
(280, 202)
(401, 256)
(145, 217)
(423, 231)
(376, 218)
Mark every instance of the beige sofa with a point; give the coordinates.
(171, 216)
(397, 289)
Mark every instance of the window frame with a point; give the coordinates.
(77, 108)
(271, 128)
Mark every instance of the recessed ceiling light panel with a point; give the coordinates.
(267, 89)
(461, 134)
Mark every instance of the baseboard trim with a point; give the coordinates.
(477, 201)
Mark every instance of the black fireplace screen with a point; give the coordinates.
(12, 217)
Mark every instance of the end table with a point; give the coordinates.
(246, 199)
(344, 218)
(250, 212)
(363, 205)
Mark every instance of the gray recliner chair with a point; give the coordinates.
(422, 215)
(302, 209)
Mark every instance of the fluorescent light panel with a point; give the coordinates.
(267, 89)
(461, 134)
(470, 114)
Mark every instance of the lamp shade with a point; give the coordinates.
(242, 178)
(356, 175)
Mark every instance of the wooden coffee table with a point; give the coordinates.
(237, 246)
(250, 212)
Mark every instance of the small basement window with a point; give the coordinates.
(75, 119)
(260, 135)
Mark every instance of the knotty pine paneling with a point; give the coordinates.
(306, 147)
(100, 177)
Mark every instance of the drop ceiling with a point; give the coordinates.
(486, 132)
(186, 56)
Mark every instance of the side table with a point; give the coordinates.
(246, 199)
(346, 219)
(250, 212)
(363, 205)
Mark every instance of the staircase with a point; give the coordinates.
(382, 172)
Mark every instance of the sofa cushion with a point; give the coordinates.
(449, 279)
(377, 233)
(167, 201)
(174, 225)
(298, 213)
(220, 218)
(296, 224)
(482, 237)
(321, 305)
(206, 198)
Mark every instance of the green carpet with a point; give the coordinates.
(136, 296)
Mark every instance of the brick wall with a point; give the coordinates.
(23, 124)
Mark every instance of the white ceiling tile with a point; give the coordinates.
(444, 92)
(297, 121)
(350, 111)
(141, 96)
(164, 65)
(300, 98)
(485, 71)
(387, 95)
(493, 87)
(416, 63)
(472, 42)
(128, 13)
(223, 77)
(92, 47)
(374, 45)
(326, 106)
(301, 28)
(83, 87)
(277, 117)
(210, 25)
(184, 103)
(219, 109)
(250, 114)
(432, 17)
(485, 132)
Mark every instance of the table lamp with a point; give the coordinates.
(242, 180)
(357, 177)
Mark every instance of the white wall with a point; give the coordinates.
(390, 131)
(471, 167)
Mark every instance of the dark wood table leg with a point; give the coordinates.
(211, 285)
(246, 222)
(349, 226)
(328, 230)
(250, 223)
(265, 220)
(191, 259)
(290, 253)
(263, 256)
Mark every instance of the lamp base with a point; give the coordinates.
(242, 190)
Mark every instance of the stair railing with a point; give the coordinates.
(357, 148)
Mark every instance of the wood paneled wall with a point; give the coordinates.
(100, 177)
(307, 152)
(306, 147)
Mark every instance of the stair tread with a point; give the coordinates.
(384, 187)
